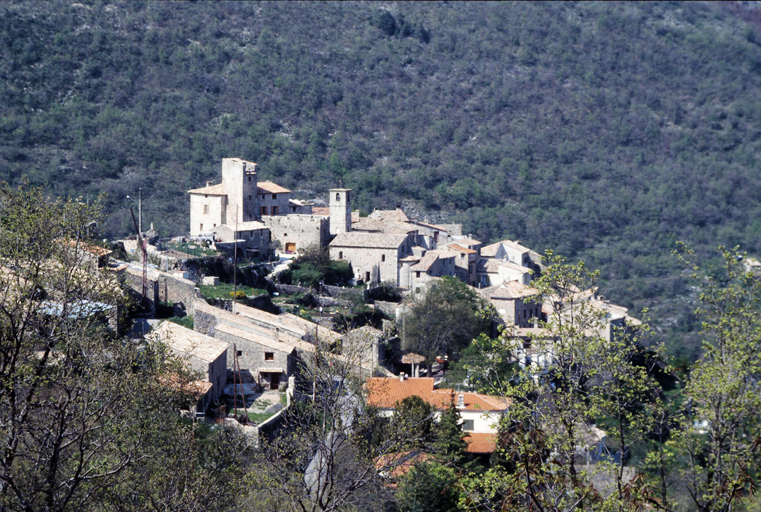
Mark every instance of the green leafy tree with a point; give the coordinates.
(720, 434)
(428, 486)
(445, 319)
(590, 380)
(86, 417)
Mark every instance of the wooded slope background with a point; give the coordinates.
(606, 131)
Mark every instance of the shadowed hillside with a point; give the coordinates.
(603, 131)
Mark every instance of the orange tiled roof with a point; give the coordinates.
(481, 442)
(460, 248)
(269, 187)
(386, 392)
(321, 210)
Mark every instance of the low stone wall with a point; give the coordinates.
(178, 290)
(290, 289)
(389, 308)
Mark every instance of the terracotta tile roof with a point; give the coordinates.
(211, 190)
(397, 464)
(369, 240)
(386, 392)
(481, 442)
(382, 225)
(268, 187)
(460, 248)
(321, 210)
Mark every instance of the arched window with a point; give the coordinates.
(340, 255)
(338, 197)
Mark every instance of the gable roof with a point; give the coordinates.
(386, 392)
(509, 290)
(369, 240)
(426, 262)
(396, 215)
(457, 247)
(211, 190)
(268, 187)
(189, 342)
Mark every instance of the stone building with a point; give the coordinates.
(234, 200)
(297, 231)
(417, 271)
(200, 353)
(512, 300)
(273, 199)
(373, 256)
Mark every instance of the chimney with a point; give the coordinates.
(461, 401)
(208, 183)
(401, 377)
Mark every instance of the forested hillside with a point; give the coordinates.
(606, 131)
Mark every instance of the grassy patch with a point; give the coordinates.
(193, 249)
(185, 321)
(224, 291)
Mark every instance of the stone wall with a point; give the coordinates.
(389, 308)
(297, 231)
(291, 289)
(178, 290)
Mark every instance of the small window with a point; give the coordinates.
(340, 255)
(417, 274)
(383, 257)
(468, 425)
(215, 225)
(206, 209)
(285, 234)
(274, 210)
(269, 356)
(338, 197)
(249, 178)
(249, 198)
(274, 196)
(201, 228)
(239, 353)
(264, 210)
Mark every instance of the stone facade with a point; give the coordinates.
(202, 354)
(233, 200)
(273, 199)
(295, 231)
(340, 210)
(512, 300)
(374, 256)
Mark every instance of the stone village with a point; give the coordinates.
(247, 350)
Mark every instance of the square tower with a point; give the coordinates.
(239, 182)
(340, 210)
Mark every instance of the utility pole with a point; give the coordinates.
(140, 209)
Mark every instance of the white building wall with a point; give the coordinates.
(206, 213)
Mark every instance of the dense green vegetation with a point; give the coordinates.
(605, 131)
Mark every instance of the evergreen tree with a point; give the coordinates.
(450, 445)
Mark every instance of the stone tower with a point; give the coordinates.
(239, 180)
(340, 210)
